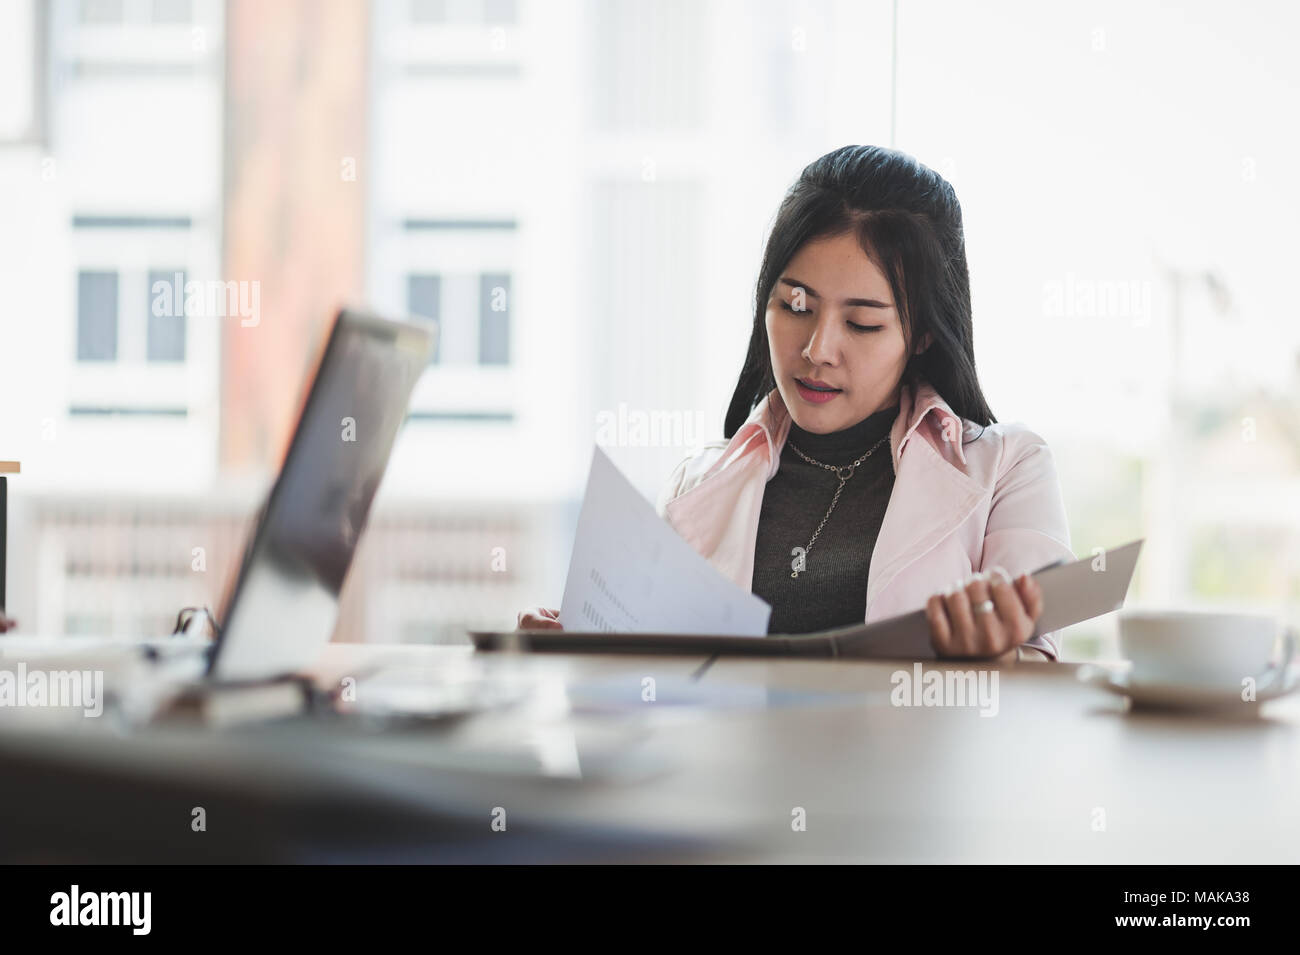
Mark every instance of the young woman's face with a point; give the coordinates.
(848, 336)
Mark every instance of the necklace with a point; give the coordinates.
(844, 472)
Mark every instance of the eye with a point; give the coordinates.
(860, 329)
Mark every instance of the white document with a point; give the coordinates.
(631, 572)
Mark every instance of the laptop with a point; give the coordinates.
(281, 605)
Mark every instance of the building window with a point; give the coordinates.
(166, 332)
(424, 298)
(464, 11)
(429, 11)
(22, 88)
(99, 304)
(453, 301)
(172, 11)
(102, 11)
(649, 63)
(500, 11)
(97, 316)
(494, 319)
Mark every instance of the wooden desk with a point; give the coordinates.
(1061, 773)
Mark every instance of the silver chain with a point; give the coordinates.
(843, 472)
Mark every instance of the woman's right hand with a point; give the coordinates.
(539, 618)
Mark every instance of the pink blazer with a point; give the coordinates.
(954, 508)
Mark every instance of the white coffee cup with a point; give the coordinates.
(1202, 648)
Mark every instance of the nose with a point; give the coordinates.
(823, 346)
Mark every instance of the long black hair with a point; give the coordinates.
(907, 219)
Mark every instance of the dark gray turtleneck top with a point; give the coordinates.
(831, 590)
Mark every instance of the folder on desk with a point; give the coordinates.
(635, 586)
(1073, 591)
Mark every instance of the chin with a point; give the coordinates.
(815, 422)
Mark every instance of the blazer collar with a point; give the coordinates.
(719, 515)
(768, 426)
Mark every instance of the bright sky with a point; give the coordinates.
(1086, 143)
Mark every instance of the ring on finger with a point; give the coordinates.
(984, 606)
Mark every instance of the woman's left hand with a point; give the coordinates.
(957, 631)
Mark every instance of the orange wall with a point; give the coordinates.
(296, 107)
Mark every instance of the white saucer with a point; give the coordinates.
(1181, 695)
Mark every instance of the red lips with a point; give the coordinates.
(814, 383)
(813, 395)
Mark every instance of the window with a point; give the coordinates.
(453, 300)
(424, 298)
(464, 11)
(100, 302)
(172, 11)
(150, 40)
(428, 11)
(494, 319)
(22, 85)
(649, 63)
(500, 11)
(105, 12)
(165, 340)
(102, 11)
(444, 234)
(97, 316)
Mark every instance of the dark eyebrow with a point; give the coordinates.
(868, 302)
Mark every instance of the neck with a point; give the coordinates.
(845, 445)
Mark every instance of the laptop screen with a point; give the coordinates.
(283, 606)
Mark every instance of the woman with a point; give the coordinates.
(863, 474)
